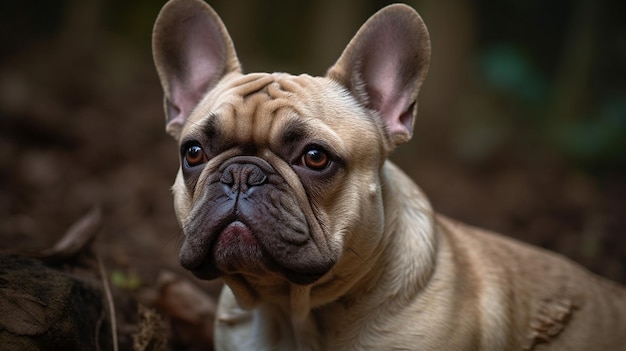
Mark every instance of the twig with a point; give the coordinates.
(98, 326)
(110, 303)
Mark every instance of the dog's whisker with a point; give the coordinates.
(351, 249)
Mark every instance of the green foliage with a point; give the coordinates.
(598, 139)
(592, 136)
(506, 68)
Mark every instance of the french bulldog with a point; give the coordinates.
(285, 192)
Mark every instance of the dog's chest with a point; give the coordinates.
(331, 328)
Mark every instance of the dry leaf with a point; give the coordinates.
(22, 313)
(190, 310)
(184, 301)
(151, 334)
(75, 239)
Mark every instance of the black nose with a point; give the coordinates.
(240, 177)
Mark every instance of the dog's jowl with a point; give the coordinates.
(285, 192)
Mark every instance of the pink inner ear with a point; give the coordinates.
(397, 116)
(388, 90)
(202, 63)
(192, 51)
(395, 112)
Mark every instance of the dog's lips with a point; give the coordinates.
(232, 249)
(236, 249)
(237, 233)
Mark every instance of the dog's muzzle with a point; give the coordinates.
(247, 220)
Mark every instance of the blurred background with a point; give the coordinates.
(521, 129)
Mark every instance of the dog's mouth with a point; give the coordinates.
(233, 247)
(236, 249)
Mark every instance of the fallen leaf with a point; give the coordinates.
(22, 313)
(151, 334)
(75, 239)
(183, 300)
(190, 310)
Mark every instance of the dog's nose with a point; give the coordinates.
(240, 177)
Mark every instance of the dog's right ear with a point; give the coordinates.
(192, 51)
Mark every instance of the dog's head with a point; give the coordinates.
(279, 181)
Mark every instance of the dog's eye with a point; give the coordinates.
(315, 159)
(194, 155)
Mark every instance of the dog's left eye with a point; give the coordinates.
(315, 159)
(194, 155)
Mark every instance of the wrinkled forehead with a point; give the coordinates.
(264, 108)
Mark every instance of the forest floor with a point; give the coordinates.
(95, 138)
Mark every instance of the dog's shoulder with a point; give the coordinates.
(560, 296)
(499, 254)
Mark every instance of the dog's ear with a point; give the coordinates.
(384, 66)
(192, 51)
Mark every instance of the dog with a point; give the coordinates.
(285, 192)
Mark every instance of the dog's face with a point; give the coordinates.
(264, 187)
(280, 175)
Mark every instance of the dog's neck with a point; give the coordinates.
(409, 228)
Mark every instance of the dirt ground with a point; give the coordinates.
(66, 149)
(86, 129)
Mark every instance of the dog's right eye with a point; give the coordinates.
(315, 158)
(194, 155)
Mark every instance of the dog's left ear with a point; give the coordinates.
(384, 66)
(192, 52)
